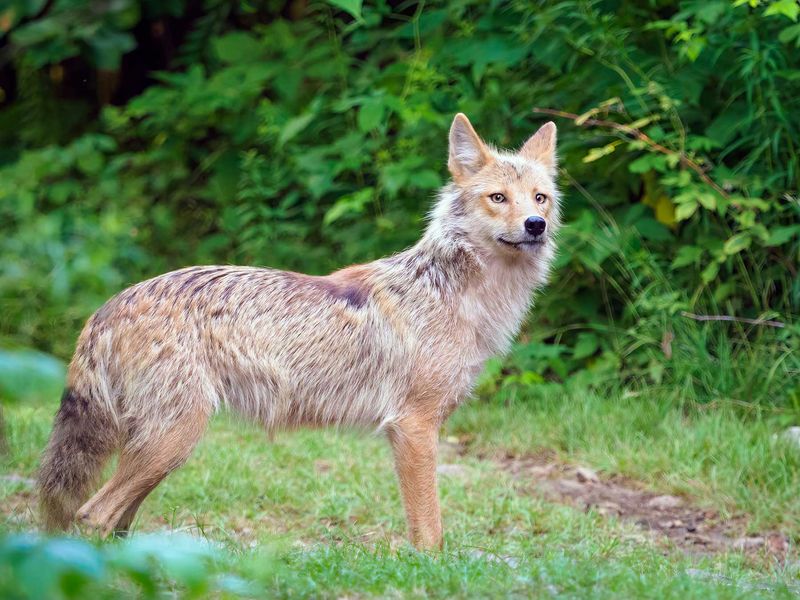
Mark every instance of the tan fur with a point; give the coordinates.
(394, 345)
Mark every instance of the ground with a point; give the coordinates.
(558, 493)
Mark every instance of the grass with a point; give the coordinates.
(317, 513)
(715, 455)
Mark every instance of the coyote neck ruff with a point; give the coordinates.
(394, 344)
(464, 303)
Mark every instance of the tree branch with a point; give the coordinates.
(731, 318)
(641, 136)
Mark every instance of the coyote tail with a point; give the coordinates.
(83, 438)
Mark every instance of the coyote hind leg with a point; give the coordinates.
(124, 523)
(139, 471)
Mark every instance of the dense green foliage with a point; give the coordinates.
(36, 567)
(145, 136)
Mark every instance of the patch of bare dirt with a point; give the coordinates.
(691, 528)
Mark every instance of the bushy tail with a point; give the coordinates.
(83, 438)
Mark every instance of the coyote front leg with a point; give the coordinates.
(415, 443)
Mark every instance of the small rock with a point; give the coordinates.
(708, 575)
(322, 466)
(538, 472)
(452, 470)
(14, 478)
(792, 435)
(609, 508)
(777, 543)
(747, 543)
(670, 524)
(702, 540)
(586, 475)
(568, 487)
(511, 561)
(664, 502)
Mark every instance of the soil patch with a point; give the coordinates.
(691, 528)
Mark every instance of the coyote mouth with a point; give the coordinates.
(517, 245)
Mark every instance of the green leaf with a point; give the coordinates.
(737, 243)
(586, 345)
(371, 113)
(727, 124)
(90, 162)
(352, 204)
(710, 11)
(686, 255)
(724, 290)
(708, 200)
(598, 153)
(351, 6)
(756, 203)
(237, 47)
(181, 557)
(685, 210)
(426, 179)
(108, 47)
(710, 272)
(61, 191)
(648, 162)
(650, 229)
(788, 8)
(28, 374)
(529, 378)
(693, 47)
(790, 33)
(37, 32)
(294, 126)
(780, 235)
(74, 555)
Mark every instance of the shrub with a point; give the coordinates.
(311, 142)
(147, 566)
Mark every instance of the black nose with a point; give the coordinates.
(535, 225)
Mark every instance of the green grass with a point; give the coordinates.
(317, 513)
(715, 455)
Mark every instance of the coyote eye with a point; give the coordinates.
(541, 198)
(497, 198)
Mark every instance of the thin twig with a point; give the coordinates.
(731, 318)
(722, 402)
(641, 136)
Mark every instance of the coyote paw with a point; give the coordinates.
(90, 524)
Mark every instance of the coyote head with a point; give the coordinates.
(505, 202)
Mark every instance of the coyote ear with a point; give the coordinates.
(541, 145)
(468, 154)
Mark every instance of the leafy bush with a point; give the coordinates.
(146, 566)
(27, 374)
(308, 141)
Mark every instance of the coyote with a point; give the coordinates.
(393, 345)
